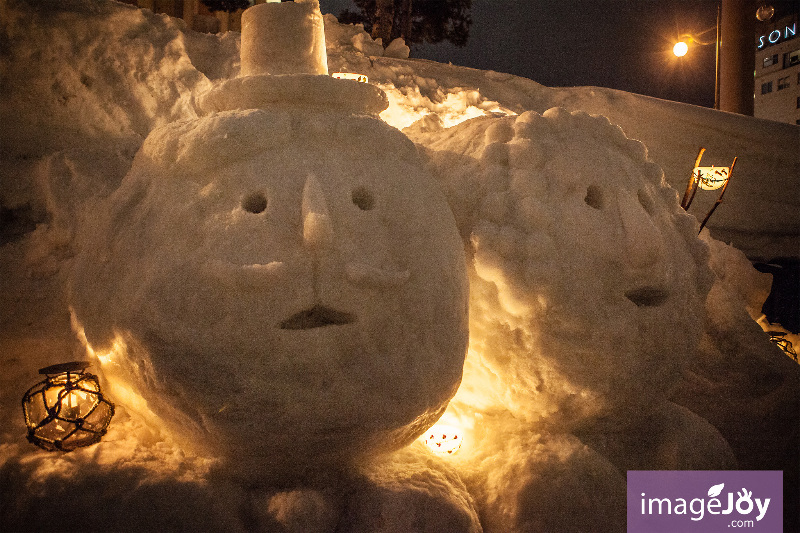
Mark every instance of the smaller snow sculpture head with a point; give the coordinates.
(587, 280)
(289, 287)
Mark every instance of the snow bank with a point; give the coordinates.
(109, 73)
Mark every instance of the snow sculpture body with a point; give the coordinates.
(285, 284)
(584, 272)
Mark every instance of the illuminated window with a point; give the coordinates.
(792, 58)
(770, 60)
(783, 83)
(766, 87)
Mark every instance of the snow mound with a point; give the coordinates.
(108, 72)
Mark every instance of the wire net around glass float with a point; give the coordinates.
(67, 410)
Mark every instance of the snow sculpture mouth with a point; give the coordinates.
(647, 296)
(317, 316)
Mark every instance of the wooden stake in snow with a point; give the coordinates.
(691, 187)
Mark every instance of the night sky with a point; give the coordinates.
(621, 44)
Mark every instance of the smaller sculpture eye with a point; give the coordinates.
(255, 202)
(594, 197)
(363, 198)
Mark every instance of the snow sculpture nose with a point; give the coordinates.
(317, 224)
(644, 246)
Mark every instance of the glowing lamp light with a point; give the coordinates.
(350, 76)
(765, 12)
(711, 178)
(67, 410)
(443, 440)
(680, 49)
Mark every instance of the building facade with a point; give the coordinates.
(777, 70)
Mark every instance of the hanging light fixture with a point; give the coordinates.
(66, 410)
(765, 12)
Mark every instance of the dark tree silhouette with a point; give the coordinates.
(226, 5)
(416, 21)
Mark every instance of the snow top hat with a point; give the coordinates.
(284, 63)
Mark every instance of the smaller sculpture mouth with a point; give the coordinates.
(647, 296)
(317, 317)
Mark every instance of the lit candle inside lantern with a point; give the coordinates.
(711, 178)
(350, 76)
(443, 439)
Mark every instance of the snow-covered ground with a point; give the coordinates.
(603, 335)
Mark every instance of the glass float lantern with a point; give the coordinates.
(67, 410)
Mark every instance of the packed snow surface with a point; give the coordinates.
(272, 283)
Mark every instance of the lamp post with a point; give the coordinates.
(682, 47)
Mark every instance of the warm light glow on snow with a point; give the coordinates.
(117, 347)
(680, 49)
(406, 106)
(132, 400)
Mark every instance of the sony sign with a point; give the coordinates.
(775, 36)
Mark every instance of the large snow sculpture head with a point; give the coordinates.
(587, 280)
(286, 287)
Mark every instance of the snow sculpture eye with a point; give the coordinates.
(594, 197)
(363, 198)
(255, 202)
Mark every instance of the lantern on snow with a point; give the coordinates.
(442, 439)
(711, 178)
(67, 410)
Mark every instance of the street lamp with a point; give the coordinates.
(682, 47)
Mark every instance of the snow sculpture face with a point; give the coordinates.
(587, 281)
(289, 288)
